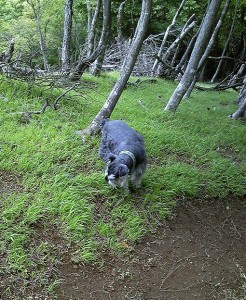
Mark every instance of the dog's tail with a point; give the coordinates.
(104, 121)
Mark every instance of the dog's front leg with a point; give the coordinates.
(125, 186)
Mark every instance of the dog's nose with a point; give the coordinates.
(106, 178)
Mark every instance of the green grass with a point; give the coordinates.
(198, 152)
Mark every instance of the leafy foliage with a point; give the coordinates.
(16, 12)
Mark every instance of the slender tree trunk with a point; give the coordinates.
(239, 73)
(120, 39)
(226, 43)
(65, 57)
(92, 26)
(37, 14)
(166, 35)
(125, 73)
(208, 48)
(183, 62)
(104, 37)
(199, 48)
(241, 111)
(85, 63)
(120, 21)
(177, 41)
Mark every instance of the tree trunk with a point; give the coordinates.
(226, 43)
(183, 62)
(125, 73)
(85, 63)
(92, 26)
(166, 35)
(199, 48)
(104, 37)
(120, 21)
(120, 38)
(37, 14)
(175, 44)
(65, 57)
(208, 48)
(239, 73)
(241, 111)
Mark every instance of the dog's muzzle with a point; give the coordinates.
(111, 180)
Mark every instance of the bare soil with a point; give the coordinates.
(198, 254)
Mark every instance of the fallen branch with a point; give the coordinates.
(219, 87)
(63, 94)
(27, 114)
(165, 64)
(227, 57)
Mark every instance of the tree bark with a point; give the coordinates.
(125, 73)
(175, 44)
(208, 48)
(92, 26)
(226, 43)
(85, 63)
(104, 38)
(166, 35)
(37, 14)
(120, 39)
(199, 48)
(183, 62)
(241, 111)
(65, 57)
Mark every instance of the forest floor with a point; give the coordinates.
(65, 235)
(197, 254)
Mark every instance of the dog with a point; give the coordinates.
(123, 150)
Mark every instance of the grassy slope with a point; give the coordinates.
(196, 153)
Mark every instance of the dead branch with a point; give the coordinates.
(27, 114)
(227, 57)
(219, 87)
(63, 94)
(167, 66)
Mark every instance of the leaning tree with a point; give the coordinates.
(241, 111)
(125, 73)
(200, 46)
(84, 63)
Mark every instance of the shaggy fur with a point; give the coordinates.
(123, 150)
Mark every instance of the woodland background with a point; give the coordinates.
(37, 27)
(186, 41)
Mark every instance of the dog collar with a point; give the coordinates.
(131, 155)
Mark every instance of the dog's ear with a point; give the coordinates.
(123, 170)
(112, 157)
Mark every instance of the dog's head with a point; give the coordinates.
(116, 173)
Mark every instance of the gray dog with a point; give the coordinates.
(123, 150)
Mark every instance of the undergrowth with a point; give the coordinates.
(198, 152)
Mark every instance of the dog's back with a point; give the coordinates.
(120, 131)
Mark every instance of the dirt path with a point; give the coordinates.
(199, 254)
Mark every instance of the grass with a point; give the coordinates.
(198, 152)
